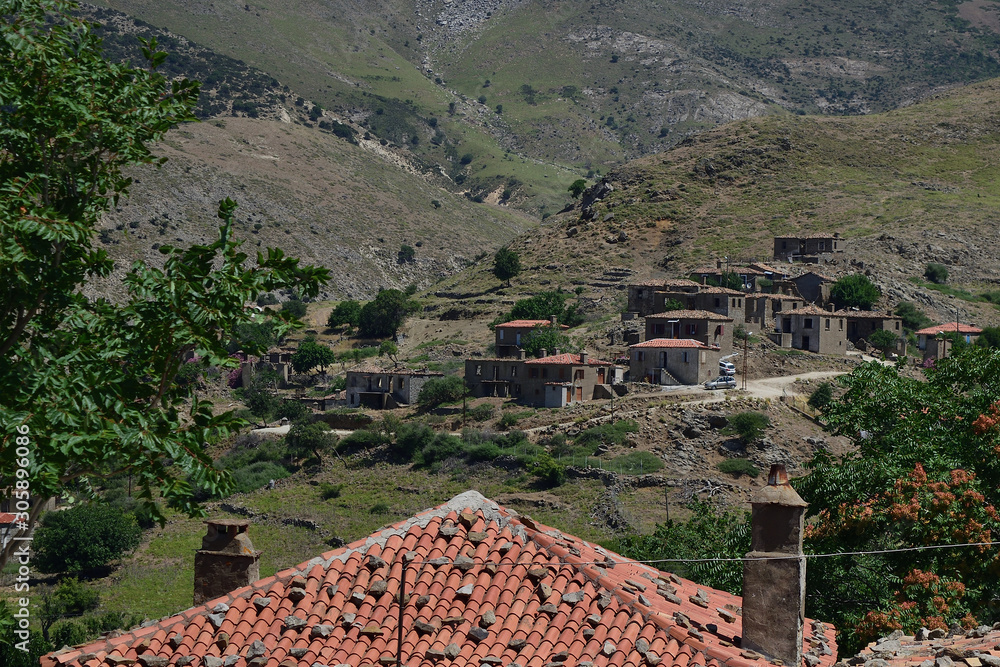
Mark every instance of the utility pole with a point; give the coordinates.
(746, 340)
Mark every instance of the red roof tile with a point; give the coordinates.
(950, 327)
(670, 342)
(567, 360)
(553, 591)
(527, 324)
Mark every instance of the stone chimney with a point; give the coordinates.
(542, 353)
(584, 357)
(520, 355)
(226, 560)
(553, 320)
(774, 572)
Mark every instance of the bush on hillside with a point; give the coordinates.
(750, 425)
(84, 537)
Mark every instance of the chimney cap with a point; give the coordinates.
(778, 490)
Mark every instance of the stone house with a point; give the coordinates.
(935, 346)
(649, 297)
(707, 327)
(671, 361)
(510, 335)
(495, 377)
(377, 388)
(863, 323)
(558, 380)
(728, 302)
(812, 328)
(813, 287)
(812, 249)
(761, 309)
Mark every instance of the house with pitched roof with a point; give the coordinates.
(511, 335)
(935, 345)
(861, 324)
(559, 380)
(761, 309)
(378, 388)
(649, 297)
(472, 583)
(812, 328)
(705, 326)
(813, 249)
(495, 376)
(671, 361)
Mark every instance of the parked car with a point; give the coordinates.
(727, 368)
(721, 382)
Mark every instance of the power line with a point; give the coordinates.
(611, 563)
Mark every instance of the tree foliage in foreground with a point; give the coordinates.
(89, 386)
(926, 472)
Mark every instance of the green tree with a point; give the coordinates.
(84, 537)
(70, 598)
(990, 337)
(672, 304)
(346, 313)
(544, 306)
(382, 317)
(310, 438)
(936, 273)
(577, 187)
(310, 355)
(506, 265)
(255, 335)
(406, 254)
(546, 338)
(294, 308)
(89, 385)
(855, 291)
(924, 470)
(750, 425)
(913, 318)
(261, 396)
(821, 396)
(883, 340)
(441, 390)
(389, 349)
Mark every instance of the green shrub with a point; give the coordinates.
(328, 491)
(257, 475)
(936, 273)
(84, 537)
(292, 410)
(486, 451)
(412, 438)
(294, 308)
(608, 433)
(442, 447)
(265, 299)
(549, 472)
(441, 390)
(379, 508)
(821, 396)
(482, 413)
(913, 318)
(750, 425)
(738, 467)
(507, 420)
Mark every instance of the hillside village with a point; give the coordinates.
(656, 348)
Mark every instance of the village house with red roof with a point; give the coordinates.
(671, 361)
(936, 346)
(705, 326)
(510, 336)
(472, 583)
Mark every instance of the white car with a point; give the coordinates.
(727, 368)
(721, 382)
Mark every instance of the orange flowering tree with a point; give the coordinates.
(926, 473)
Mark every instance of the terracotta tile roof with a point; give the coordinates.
(567, 359)
(483, 585)
(689, 315)
(898, 650)
(716, 271)
(721, 290)
(669, 282)
(949, 327)
(670, 342)
(7, 517)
